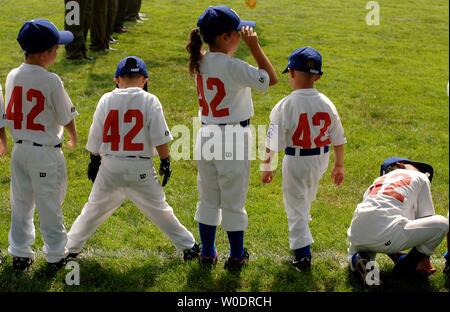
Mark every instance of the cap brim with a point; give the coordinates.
(285, 71)
(424, 168)
(65, 37)
(245, 24)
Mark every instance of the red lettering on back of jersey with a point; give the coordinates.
(215, 102)
(128, 144)
(14, 110)
(111, 133)
(36, 110)
(317, 118)
(112, 124)
(389, 190)
(220, 94)
(201, 96)
(302, 128)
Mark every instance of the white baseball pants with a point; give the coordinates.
(38, 179)
(223, 183)
(119, 179)
(425, 234)
(301, 176)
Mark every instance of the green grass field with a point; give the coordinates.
(388, 83)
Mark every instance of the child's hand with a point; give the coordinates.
(338, 175)
(72, 141)
(266, 177)
(250, 37)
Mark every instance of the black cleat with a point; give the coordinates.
(208, 260)
(302, 264)
(192, 253)
(21, 263)
(72, 255)
(57, 265)
(234, 264)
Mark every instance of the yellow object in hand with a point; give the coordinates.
(250, 3)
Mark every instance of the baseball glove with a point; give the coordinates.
(165, 170)
(93, 167)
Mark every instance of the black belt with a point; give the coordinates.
(138, 157)
(243, 124)
(37, 144)
(306, 152)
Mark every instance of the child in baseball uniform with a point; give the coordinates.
(396, 214)
(303, 124)
(128, 124)
(3, 141)
(224, 86)
(37, 109)
(446, 256)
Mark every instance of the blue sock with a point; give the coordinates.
(195, 247)
(446, 255)
(401, 258)
(303, 252)
(236, 244)
(208, 237)
(354, 259)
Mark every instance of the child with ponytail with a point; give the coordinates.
(224, 86)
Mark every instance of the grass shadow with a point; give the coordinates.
(390, 283)
(286, 278)
(37, 278)
(229, 281)
(199, 278)
(202, 278)
(96, 275)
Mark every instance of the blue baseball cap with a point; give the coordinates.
(220, 19)
(298, 60)
(422, 167)
(39, 35)
(140, 68)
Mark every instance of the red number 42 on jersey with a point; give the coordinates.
(14, 111)
(111, 132)
(302, 136)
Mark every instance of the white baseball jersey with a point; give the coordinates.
(37, 105)
(304, 119)
(128, 122)
(224, 94)
(2, 110)
(399, 196)
(37, 108)
(224, 88)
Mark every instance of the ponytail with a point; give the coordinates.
(194, 47)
